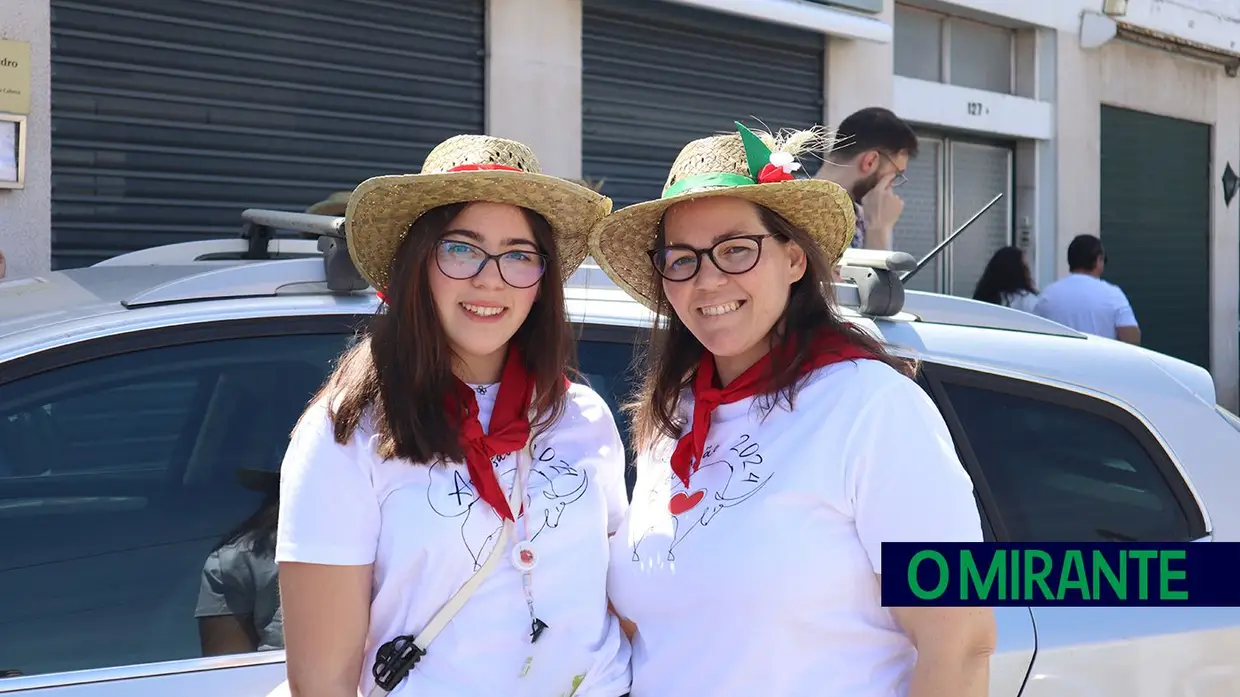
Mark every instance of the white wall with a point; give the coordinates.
(859, 74)
(1157, 82)
(26, 214)
(1214, 23)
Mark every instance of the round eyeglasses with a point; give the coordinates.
(734, 255)
(519, 268)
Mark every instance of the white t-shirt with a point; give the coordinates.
(764, 583)
(426, 531)
(1086, 304)
(1021, 300)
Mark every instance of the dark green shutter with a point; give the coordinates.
(1156, 226)
(658, 75)
(170, 117)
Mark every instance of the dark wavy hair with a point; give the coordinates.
(1006, 272)
(673, 352)
(401, 369)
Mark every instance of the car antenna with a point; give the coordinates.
(943, 245)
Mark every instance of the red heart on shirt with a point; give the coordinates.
(683, 501)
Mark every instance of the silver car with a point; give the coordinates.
(143, 401)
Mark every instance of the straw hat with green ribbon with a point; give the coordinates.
(757, 167)
(468, 168)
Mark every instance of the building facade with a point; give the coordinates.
(155, 122)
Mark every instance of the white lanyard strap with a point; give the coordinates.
(454, 604)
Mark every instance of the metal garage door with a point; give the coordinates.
(658, 75)
(948, 183)
(169, 118)
(1156, 227)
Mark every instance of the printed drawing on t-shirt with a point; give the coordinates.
(701, 502)
(553, 485)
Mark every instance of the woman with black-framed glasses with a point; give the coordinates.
(449, 452)
(778, 447)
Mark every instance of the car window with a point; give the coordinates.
(1066, 467)
(138, 498)
(607, 367)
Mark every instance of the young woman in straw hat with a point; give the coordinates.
(448, 457)
(777, 448)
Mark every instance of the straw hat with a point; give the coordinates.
(755, 167)
(462, 169)
(332, 205)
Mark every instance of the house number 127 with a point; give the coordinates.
(976, 109)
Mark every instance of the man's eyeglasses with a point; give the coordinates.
(900, 177)
(519, 268)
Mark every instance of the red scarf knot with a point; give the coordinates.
(509, 429)
(828, 347)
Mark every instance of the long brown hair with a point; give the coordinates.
(673, 352)
(401, 370)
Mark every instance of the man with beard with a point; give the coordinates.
(872, 149)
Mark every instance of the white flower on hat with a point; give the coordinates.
(785, 161)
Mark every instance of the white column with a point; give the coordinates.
(858, 73)
(534, 79)
(1225, 248)
(26, 214)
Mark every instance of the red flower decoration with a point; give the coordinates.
(772, 173)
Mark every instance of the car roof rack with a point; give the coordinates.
(262, 278)
(259, 226)
(313, 261)
(880, 292)
(215, 252)
(258, 242)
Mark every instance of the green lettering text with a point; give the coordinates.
(1038, 576)
(944, 576)
(970, 578)
(1166, 575)
(1073, 575)
(1143, 556)
(1102, 567)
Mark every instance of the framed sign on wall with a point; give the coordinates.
(12, 151)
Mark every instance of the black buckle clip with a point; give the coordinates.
(394, 660)
(536, 629)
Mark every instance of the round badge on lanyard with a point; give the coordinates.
(523, 556)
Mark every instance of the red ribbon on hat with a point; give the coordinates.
(773, 173)
(484, 168)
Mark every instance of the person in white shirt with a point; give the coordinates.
(777, 448)
(1007, 281)
(1083, 301)
(448, 428)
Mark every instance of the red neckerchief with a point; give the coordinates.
(509, 429)
(827, 348)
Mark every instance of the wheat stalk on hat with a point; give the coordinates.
(759, 167)
(468, 168)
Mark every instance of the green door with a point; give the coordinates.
(1156, 226)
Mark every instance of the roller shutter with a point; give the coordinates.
(170, 117)
(658, 75)
(1156, 227)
